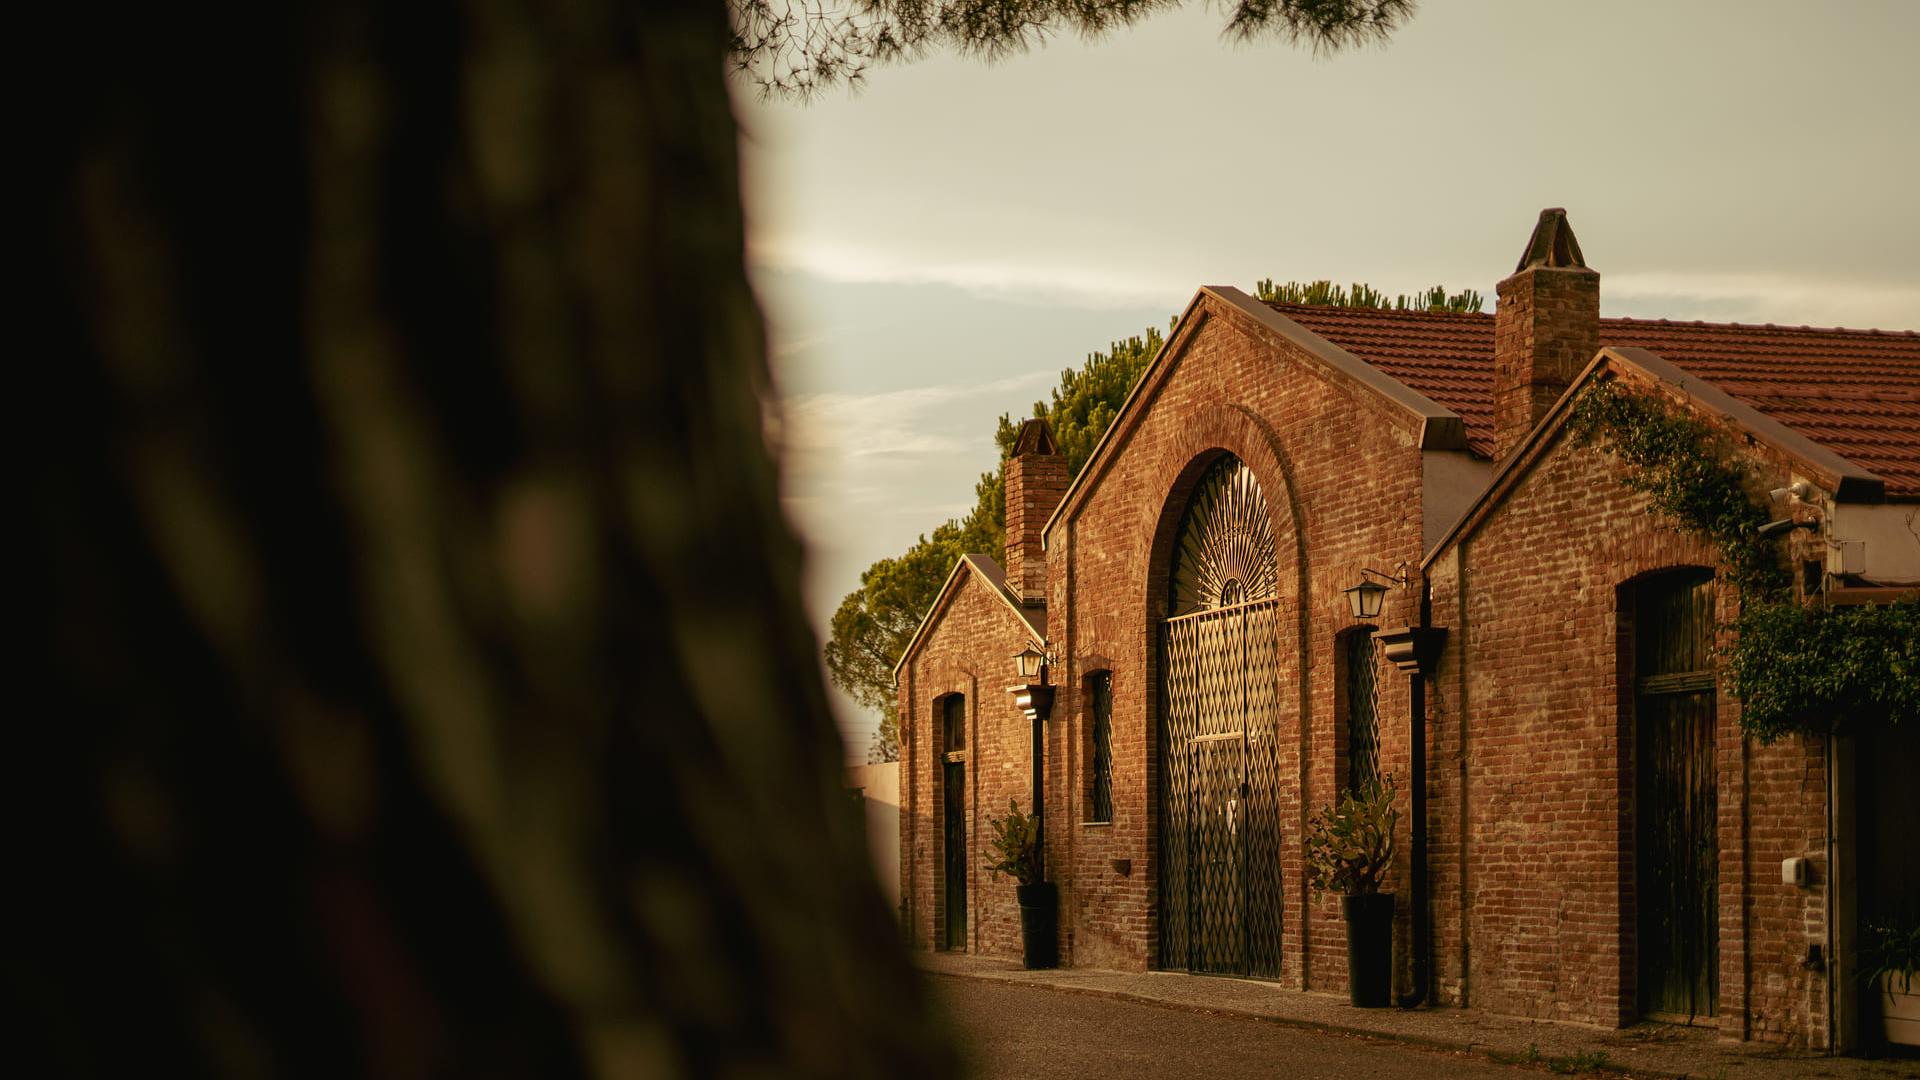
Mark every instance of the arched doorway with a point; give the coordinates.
(1219, 773)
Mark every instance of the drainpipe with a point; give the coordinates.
(1040, 794)
(1415, 650)
(1421, 973)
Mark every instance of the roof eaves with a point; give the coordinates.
(995, 579)
(1848, 481)
(1438, 428)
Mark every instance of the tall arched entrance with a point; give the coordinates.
(1219, 763)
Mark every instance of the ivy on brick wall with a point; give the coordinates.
(1688, 473)
(1801, 668)
(1794, 667)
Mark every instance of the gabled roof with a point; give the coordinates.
(1034, 619)
(1433, 424)
(1856, 392)
(1845, 478)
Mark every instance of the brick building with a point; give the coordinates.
(1213, 687)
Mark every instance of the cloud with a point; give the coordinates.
(892, 422)
(1037, 281)
(1784, 299)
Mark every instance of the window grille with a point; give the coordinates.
(1100, 700)
(1363, 711)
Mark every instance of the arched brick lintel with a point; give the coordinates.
(1205, 434)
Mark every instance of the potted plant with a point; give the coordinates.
(1348, 849)
(1015, 847)
(1895, 952)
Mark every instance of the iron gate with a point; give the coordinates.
(1220, 893)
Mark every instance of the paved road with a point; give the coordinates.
(1023, 1033)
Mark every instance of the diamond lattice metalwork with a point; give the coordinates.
(1220, 888)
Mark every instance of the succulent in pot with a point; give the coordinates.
(1349, 847)
(1014, 846)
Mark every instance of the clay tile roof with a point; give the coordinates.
(1857, 392)
(1449, 358)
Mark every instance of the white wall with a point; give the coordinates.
(879, 786)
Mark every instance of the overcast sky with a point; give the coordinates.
(933, 249)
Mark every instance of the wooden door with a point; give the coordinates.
(953, 781)
(1677, 800)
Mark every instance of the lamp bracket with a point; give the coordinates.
(1402, 575)
(1412, 649)
(1035, 700)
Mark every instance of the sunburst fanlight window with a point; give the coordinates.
(1224, 554)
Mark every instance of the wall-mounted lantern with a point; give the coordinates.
(1031, 693)
(1028, 662)
(1366, 598)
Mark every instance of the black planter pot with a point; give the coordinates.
(1039, 918)
(1369, 949)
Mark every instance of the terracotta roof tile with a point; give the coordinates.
(1857, 392)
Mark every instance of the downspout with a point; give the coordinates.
(1039, 796)
(1422, 963)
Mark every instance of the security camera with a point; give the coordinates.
(1798, 491)
(1774, 528)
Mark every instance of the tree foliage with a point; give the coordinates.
(799, 47)
(1361, 295)
(873, 624)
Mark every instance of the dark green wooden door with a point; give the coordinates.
(953, 783)
(1677, 834)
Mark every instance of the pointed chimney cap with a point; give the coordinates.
(1035, 438)
(1552, 244)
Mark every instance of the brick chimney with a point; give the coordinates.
(1036, 480)
(1546, 327)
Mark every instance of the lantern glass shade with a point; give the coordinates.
(1366, 598)
(1027, 662)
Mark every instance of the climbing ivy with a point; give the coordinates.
(1794, 667)
(1683, 467)
(1801, 668)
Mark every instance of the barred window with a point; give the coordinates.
(1363, 719)
(1100, 710)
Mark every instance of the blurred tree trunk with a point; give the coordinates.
(424, 684)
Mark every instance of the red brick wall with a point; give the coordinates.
(965, 652)
(1532, 813)
(1341, 474)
